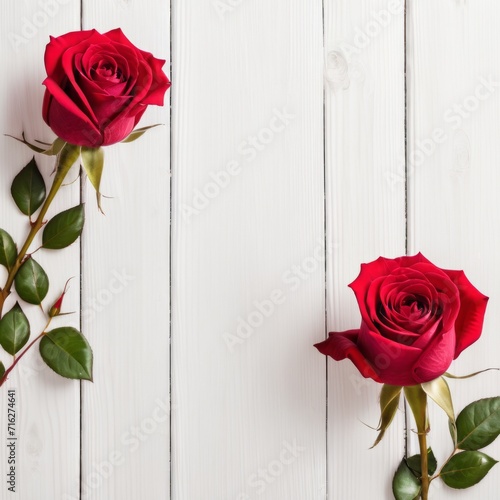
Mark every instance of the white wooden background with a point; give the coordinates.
(303, 138)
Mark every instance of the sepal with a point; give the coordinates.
(93, 164)
(439, 391)
(52, 150)
(389, 401)
(417, 399)
(470, 375)
(135, 134)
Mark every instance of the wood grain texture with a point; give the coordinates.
(264, 93)
(453, 90)
(125, 413)
(248, 270)
(365, 184)
(48, 409)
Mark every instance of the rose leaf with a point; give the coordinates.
(28, 189)
(415, 464)
(478, 424)
(8, 250)
(62, 230)
(32, 283)
(405, 485)
(466, 469)
(14, 330)
(68, 353)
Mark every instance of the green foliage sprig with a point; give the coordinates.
(65, 350)
(476, 426)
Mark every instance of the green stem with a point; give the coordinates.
(65, 159)
(422, 442)
(444, 463)
(417, 400)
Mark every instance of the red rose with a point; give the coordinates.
(416, 318)
(98, 86)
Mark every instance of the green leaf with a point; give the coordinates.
(389, 401)
(32, 283)
(68, 353)
(8, 250)
(93, 163)
(64, 228)
(28, 189)
(14, 330)
(2, 370)
(135, 134)
(405, 485)
(478, 424)
(466, 469)
(414, 464)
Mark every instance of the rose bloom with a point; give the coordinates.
(415, 319)
(98, 86)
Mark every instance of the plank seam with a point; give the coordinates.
(405, 406)
(170, 473)
(325, 242)
(82, 199)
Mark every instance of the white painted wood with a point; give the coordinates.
(453, 210)
(244, 395)
(48, 409)
(248, 283)
(365, 183)
(125, 453)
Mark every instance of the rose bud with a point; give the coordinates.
(98, 86)
(415, 319)
(55, 310)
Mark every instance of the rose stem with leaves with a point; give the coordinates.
(26, 349)
(65, 160)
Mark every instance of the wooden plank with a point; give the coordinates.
(248, 271)
(453, 130)
(365, 184)
(126, 291)
(47, 452)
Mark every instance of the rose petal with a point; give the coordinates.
(436, 358)
(416, 318)
(469, 323)
(411, 260)
(159, 85)
(390, 360)
(58, 45)
(342, 345)
(120, 128)
(67, 120)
